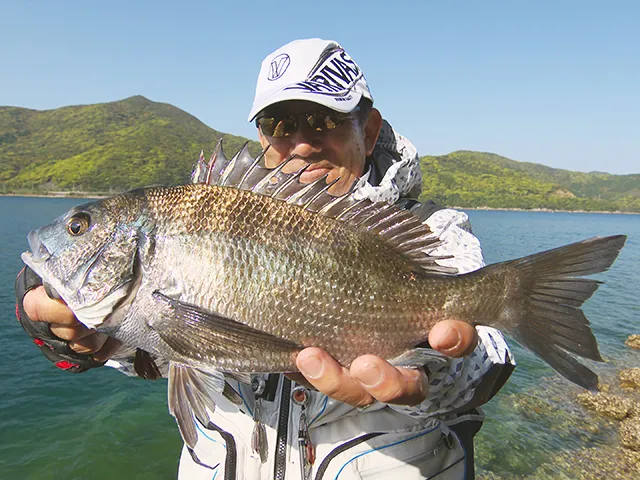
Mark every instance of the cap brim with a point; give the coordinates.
(343, 104)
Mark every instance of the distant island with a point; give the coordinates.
(112, 147)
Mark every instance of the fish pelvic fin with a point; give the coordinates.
(548, 291)
(145, 366)
(395, 225)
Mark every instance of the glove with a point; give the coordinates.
(54, 348)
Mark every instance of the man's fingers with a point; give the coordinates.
(70, 333)
(40, 308)
(388, 384)
(331, 378)
(89, 344)
(64, 325)
(110, 347)
(453, 338)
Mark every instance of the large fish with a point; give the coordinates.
(241, 270)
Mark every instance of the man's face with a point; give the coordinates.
(340, 152)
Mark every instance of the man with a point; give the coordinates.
(372, 420)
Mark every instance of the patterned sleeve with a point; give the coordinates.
(463, 383)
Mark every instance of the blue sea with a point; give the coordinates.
(104, 425)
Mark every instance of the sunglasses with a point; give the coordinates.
(281, 126)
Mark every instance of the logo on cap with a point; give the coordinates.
(279, 65)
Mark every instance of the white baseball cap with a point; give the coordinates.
(314, 70)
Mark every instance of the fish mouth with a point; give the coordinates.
(39, 252)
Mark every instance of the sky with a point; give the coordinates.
(546, 81)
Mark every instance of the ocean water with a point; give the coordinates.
(104, 425)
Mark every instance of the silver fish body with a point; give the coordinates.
(242, 270)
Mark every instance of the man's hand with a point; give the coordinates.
(371, 378)
(64, 325)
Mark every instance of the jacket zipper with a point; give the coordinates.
(280, 463)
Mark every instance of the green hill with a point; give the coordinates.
(116, 146)
(476, 179)
(103, 147)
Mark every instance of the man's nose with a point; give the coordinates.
(305, 142)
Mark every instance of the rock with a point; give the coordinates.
(633, 341)
(629, 378)
(489, 476)
(606, 404)
(592, 464)
(629, 431)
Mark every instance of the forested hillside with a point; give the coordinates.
(476, 179)
(112, 147)
(103, 147)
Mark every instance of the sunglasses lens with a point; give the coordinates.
(321, 122)
(277, 127)
(266, 125)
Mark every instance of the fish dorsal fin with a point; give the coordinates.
(400, 228)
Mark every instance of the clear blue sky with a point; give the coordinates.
(552, 82)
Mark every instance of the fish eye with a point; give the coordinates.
(78, 224)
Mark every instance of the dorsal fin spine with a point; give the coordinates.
(327, 208)
(253, 166)
(324, 191)
(388, 222)
(228, 170)
(260, 185)
(290, 181)
(350, 209)
(299, 195)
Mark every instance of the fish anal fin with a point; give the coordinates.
(418, 357)
(190, 394)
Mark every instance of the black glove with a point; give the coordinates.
(54, 348)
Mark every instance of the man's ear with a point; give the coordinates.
(372, 130)
(262, 139)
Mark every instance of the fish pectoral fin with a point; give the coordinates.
(211, 336)
(418, 357)
(190, 394)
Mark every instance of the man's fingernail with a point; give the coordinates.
(311, 366)
(449, 339)
(369, 376)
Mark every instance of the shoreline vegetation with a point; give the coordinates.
(98, 195)
(102, 149)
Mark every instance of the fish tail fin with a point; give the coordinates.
(545, 316)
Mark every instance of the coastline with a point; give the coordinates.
(98, 195)
(544, 210)
(59, 195)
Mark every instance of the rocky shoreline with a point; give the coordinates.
(612, 414)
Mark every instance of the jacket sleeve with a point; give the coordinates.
(463, 384)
